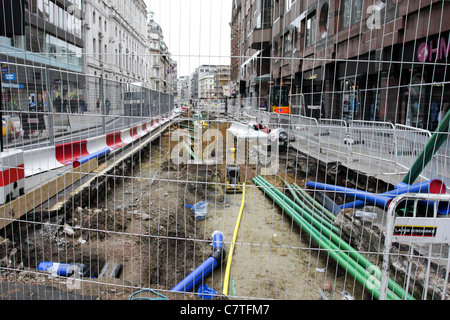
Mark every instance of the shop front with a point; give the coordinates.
(25, 88)
(425, 81)
(312, 89)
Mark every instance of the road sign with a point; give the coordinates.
(4, 66)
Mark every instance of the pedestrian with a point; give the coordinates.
(65, 104)
(82, 105)
(57, 104)
(108, 105)
(98, 105)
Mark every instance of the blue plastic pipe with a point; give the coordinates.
(434, 186)
(366, 197)
(99, 154)
(203, 270)
(64, 269)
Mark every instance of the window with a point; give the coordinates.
(323, 21)
(287, 44)
(34, 39)
(351, 12)
(310, 29)
(288, 4)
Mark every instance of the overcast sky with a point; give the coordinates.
(196, 31)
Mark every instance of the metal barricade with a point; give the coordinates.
(428, 239)
(372, 138)
(409, 142)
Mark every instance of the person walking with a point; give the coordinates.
(98, 105)
(82, 105)
(108, 106)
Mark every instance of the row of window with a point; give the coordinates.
(351, 14)
(39, 42)
(57, 16)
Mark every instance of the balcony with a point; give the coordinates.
(261, 35)
(260, 38)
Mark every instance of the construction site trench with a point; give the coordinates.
(137, 216)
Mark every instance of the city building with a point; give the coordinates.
(116, 50)
(163, 74)
(45, 64)
(208, 81)
(367, 60)
(184, 92)
(207, 86)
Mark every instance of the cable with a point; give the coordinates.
(162, 297)
(230, 255)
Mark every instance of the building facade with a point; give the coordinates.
(116, 50)
(355, 59)
(45, 64)
(209, 81)
(163, 74)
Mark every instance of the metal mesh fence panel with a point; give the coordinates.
(226, 150)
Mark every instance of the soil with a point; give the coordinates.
(144, 225)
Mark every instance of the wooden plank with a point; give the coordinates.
(17, 208)
(103, 168)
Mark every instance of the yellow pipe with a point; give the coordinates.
(230, 254)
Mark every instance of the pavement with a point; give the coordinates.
(70, 127)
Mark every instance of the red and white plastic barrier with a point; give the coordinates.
(48, 158)
(12, 175)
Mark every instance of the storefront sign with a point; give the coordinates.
(9, 77)
(315, 74)
(13, 85)
(433, 50)
(4, 66)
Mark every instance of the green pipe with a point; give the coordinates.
(370, 266)
(317, 207)
(190, 151)
(319, 215)
(315, 202)
(310, 217)
(355, 254)
(344, 260)
(192, 137)
(187, 127)
(432, 146)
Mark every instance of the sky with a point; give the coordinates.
(196, 31)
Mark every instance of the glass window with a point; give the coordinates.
(346, 9)
(46, 10)
(32, 6)
(287, 43)
(51, 17)
(351, 12)
(60, 17)
(34, 40)
(310, 29)
(40, 9)
(357, 11)
(288, 4)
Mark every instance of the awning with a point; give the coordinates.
(251, 58)
(262, 78)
